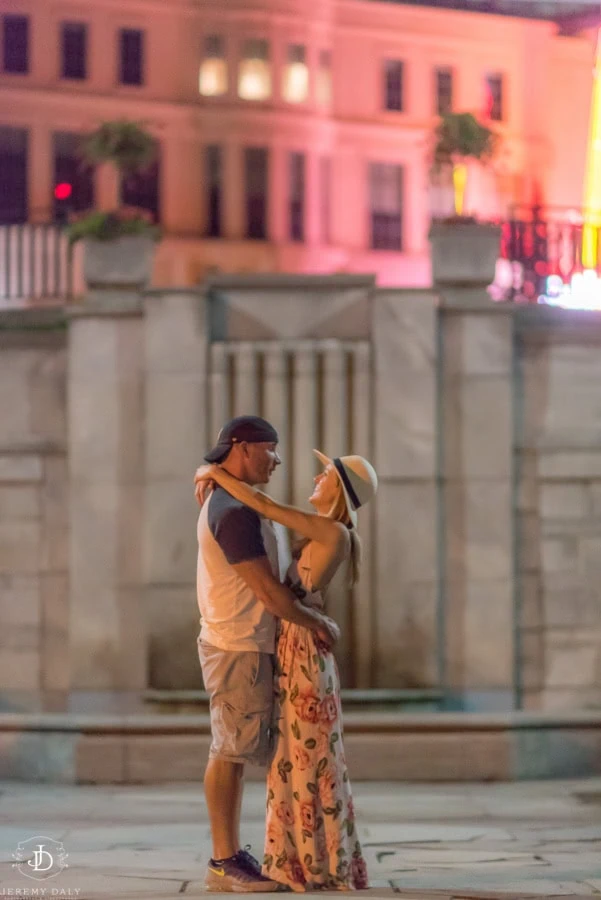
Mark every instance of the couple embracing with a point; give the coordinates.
(266, 655)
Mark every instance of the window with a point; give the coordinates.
(74, 40)
(73, 180)
(393, 85)
(212, 78)
(296, 75)
(13, 175)
(324, 78)
(494, 98)
(15, 40)
(297, 197)
(214, 176)
(325, 174)
(142, 190)
(254, 75)
(255, 172)
(131, 56)
(444, 91)
(386, 202)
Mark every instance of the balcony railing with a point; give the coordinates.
(35, 265)
(544, 250)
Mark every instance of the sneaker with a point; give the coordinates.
(238, 875)
(249, 859)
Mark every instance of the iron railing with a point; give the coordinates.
(541, 243)
(35, 264)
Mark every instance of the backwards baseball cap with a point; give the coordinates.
(252, 429)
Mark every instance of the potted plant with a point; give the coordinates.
(119, 241)
(464, 250)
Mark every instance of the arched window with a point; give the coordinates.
(295, 87)
(212, 77)
(254, 74)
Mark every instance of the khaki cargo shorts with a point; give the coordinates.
(241, 689)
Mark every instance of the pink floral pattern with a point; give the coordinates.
(311, 834)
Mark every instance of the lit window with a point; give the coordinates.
(296, 75)
(212, 78)
(324, 78)
(254, 76)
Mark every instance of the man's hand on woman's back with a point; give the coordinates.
(281, 602)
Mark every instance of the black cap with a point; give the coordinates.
(252, 429)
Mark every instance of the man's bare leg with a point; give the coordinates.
(239, 807)
(223, 783)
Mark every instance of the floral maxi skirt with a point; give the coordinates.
(311, 838)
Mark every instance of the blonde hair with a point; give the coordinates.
(339, 513)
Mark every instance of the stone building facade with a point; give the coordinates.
(294, 135)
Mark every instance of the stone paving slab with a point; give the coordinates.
(422, 842)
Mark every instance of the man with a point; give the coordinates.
(240, 597)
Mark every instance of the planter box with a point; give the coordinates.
(125, 263)
(464, 253)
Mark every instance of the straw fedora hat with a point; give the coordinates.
(357, 477)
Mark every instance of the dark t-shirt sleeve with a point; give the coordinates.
(237, 530)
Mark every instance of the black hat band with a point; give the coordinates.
(347, 483)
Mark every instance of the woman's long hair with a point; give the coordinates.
(339, 513)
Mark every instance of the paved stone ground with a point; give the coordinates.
(421, 841)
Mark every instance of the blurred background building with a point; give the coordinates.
(294, 134)
(298, 277)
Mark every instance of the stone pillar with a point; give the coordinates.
(40, 167)
(234, 192)
(477, 441)
(277, 197)
(177, 436)
(106, 468)
(107, 188)
(313, 200)
(183, 182)
(406, 567)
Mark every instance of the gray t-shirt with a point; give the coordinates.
(231, 616)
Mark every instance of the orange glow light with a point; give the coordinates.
(592, 183)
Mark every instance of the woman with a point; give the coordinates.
(311, 839)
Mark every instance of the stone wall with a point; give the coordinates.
(484, 423)
(476, 499)
(33, 507)
(558, 440)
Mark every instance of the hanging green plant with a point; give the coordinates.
(127, 221)
(124, 144)
(461, 135)
(458, 138)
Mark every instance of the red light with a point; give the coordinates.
(63, 191)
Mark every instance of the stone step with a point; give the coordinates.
(380, 746)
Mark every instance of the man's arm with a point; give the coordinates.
(317, 528)
(281, 602)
